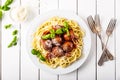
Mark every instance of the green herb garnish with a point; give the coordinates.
(42, 58)
(1, 14)
(59, 31)
(8, 2)
(66, 29)
(13, 42)
(5, 7)
(52, 36)
(8, 26)
(52, 31)
(15, 32)
(48, 36)
(66, 24)
(34, 52)
(68, 34)
(15, 39)
(38, 54)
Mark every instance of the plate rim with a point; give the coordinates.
(53, 12)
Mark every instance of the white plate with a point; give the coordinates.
(69, 15)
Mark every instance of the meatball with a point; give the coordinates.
(57, 27)
(49, 56)
(67, 54)
(67, 46)
(57, 41)
(66, 37)
(47, 44)
(57, 52)
(71, 37)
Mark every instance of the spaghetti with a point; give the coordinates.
(62, 61)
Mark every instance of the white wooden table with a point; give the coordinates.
(15, 63)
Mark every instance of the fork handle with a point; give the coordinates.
(107, 52)
(110, 56)
(102, 59)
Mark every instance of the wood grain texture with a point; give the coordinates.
(16, 64)
(68, 5)
(0, 48)
(46, 6)
(28, 70)
(10, 56)
(105, 8)
(88, 69)
(118, 40)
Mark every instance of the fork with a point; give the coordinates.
(109, 31)
(97, 30)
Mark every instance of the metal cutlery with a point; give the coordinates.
(96, 28)
(109, 31)
(91, 24)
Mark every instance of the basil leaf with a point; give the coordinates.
(8, 26)
(13, 42)
(15, 32)
(0, 7)
(59, 31)
(48, 36)
(66, 29)
(42, 58)
(1, 14)
(10, 45)
(52, 31)
(68, 34)
(66, 24)
(39, 55)
(52, 36)
(34, 52)
(8, 2)
(15, 39)
(5, 8)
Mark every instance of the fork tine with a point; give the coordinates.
(97, 20)
(91, 23)
(97, 23)
(111, 27)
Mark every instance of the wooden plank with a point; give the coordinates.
(117, 40)
(69, 76)
(48, 5)
(88, 70)
(46, 75)
(45, 6)
(105, 9)
(68, 5)
(0, 48)
(28, 70)
(10, 56)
